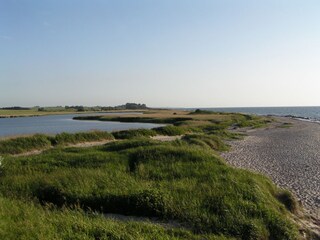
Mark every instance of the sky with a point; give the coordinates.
(165, 53)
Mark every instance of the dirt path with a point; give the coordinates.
(163, 138)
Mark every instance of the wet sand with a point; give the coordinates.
(289, 156)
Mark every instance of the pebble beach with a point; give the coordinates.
(289, 155)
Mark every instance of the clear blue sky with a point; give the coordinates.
(165, 53)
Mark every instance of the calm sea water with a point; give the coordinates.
(310, 113)
(62, 123)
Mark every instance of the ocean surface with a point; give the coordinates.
(304, 113)
(53, 124)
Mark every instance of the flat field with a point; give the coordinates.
(25, 113)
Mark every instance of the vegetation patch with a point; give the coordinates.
(129, 144)
(40, 142)
(171, 130)
(182, 181)
(211, 141)
(24, 144)
(288, 200)
(251, 121)
(73, 138)
(21, 220)
(201, 111)
(128, 134)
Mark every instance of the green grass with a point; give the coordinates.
(73, 138)
(31, 112)
(252, 121)
(42, 142)
(55, 194)
(21, 220)
(129, 134)
(169, 181)
(23, 144)
(129, 144)
(211, 141)
(17, 112)
(171, 130)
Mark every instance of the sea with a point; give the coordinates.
(302, 113)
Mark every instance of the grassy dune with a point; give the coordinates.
(62, 192)
(21, 220)
(41, 142)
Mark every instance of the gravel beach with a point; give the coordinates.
(289, 156)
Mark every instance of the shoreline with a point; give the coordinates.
(290, 156)
(43, 114)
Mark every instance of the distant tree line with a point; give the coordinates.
(80, 108)
(132, 106)
(15, 108)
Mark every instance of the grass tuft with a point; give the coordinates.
(73, 138)
(24, 144)
(129, 134)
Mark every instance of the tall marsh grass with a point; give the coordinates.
(40, 142)
(23, 144)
